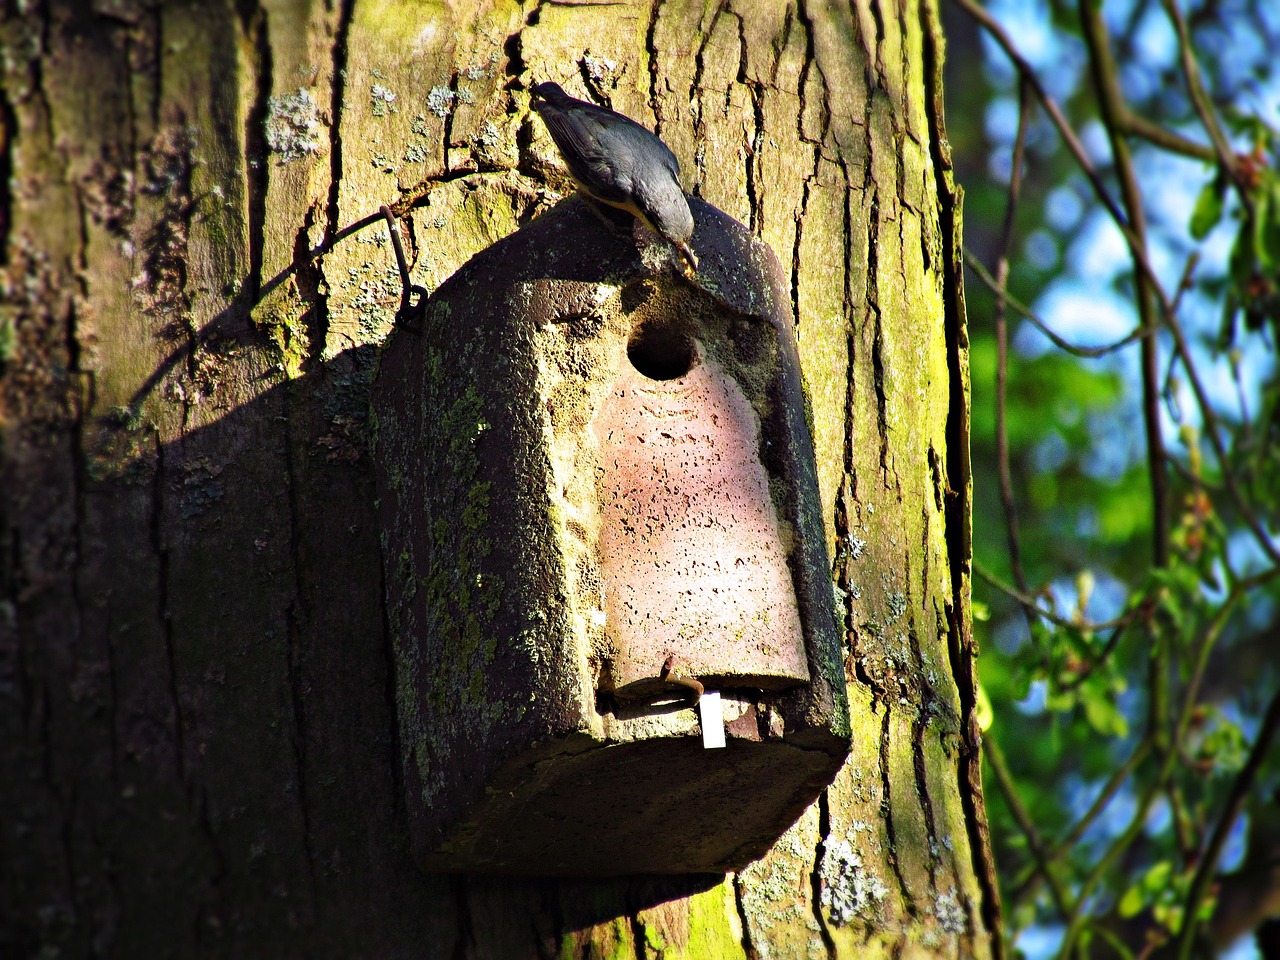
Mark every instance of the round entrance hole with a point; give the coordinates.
(662, 350)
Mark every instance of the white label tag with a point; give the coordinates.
(712, 715)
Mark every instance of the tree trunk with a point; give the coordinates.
(196, 690)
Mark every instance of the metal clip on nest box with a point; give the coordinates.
(598, 498)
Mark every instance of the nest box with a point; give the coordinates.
(598, 495)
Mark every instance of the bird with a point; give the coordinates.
(616, 161)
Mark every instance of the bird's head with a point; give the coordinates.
(666, 209)
(548, 91)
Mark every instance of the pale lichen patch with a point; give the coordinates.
(850, 888)
(293, 125)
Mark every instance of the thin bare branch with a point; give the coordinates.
(1222, 829)
(1108, 648)
(1100, 802)
(1139, 126)
(1067, 346)
(1002, 342)
(995, 760)
(1211, 430)
(1204, 106)
(1203, 644)
(1137, 249)
(1029, 603)
(1111, 100)
(1051, 107)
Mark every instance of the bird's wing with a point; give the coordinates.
(603, 148)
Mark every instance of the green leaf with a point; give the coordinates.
(1168, 915)
(1269, 221)
(1157, 877)
(1100, 709)
(1060, 701)
(1132, 902)
(1208, 210)
(1105, 717)
(1264, 213)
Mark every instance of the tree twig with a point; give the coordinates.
(1002, 343)
(1029, 602)
(1208, 634)
(1204, 107)
(1230, 813)
(995, 760)
(1074, 146)
(1210, 418)
(1104, 797)
(1111, 100)
(1058, 341)
(1108, 648)
(1139, 126)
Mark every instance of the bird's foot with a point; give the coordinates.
(618, 222)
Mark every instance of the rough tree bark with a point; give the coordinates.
(196, 694)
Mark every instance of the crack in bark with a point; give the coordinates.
(754, 185)
(255, 140)
(788, 23)
(922, 690)
(695, 97)
(877, 47)
(293, 658)
(8, 133)
(157, 34)
(815, 877)
(958, 517)
(318, 325)
(806, 187)
(553, 907)
(740, 904)
(852, 315)
(651, 54)
(886, 810)
(878, 688)
(811, 60)
(918, 727)
(638, 939)
(308, 271)
(393, 714)
(466, 936)
(113, 693)
(446, 133)
(805, 190)
(67, 814)
(83, 400)
(167, 163)
(37, 87)
(877, 338)
(925, 524)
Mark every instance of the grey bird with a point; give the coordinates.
(615, 160)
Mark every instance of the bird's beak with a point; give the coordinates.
(690, 261)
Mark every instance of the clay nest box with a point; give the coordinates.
(596, 478)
